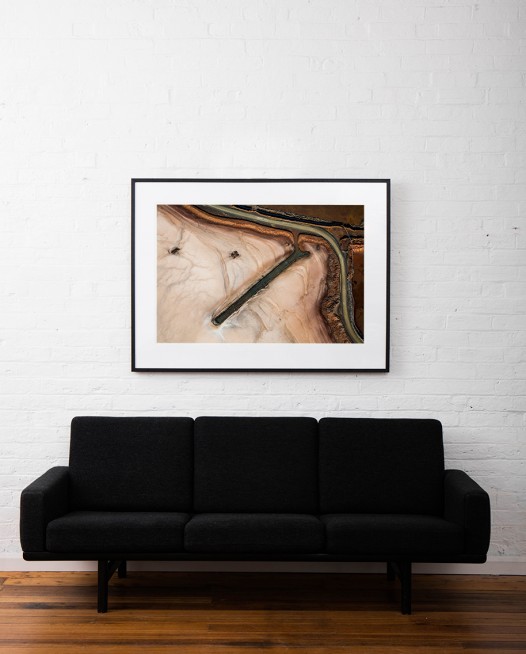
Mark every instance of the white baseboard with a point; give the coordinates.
(493, 566)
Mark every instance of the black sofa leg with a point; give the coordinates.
(102, 595)
(402, 570)
(122, 570)
(405, 581)
(105, 573)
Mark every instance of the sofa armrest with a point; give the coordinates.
(43, 500)
(467, 504)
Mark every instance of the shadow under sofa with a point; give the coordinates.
(255, 489)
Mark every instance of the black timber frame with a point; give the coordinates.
(110, 562)
(106, 570)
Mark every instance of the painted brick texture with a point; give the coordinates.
(430, 93)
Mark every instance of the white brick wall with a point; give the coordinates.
(430, 93)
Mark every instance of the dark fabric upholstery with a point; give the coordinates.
(43, 500)
(370, 465)
(256, 465)
(135, 464)
(392, 534)
(108, 531)
(253, 533)
(467, 504)
(134, 483)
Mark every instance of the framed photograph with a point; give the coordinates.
(260, 274)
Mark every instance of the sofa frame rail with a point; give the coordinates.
(109, 563)
(106, 570)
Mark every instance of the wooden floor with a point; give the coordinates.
(239, 613)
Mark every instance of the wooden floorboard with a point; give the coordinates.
(240, 613)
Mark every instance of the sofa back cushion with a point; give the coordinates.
(256, 465)
(375, 465)
(139, 464)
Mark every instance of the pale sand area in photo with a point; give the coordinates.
(214, 265)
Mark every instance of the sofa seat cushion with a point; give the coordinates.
(254, 532)
(112, 531)
(391, 534)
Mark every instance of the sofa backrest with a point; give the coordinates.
(140, 464)
(255, 465)
(278, 465)
(375, 465)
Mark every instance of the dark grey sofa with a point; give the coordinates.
(225, 488)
